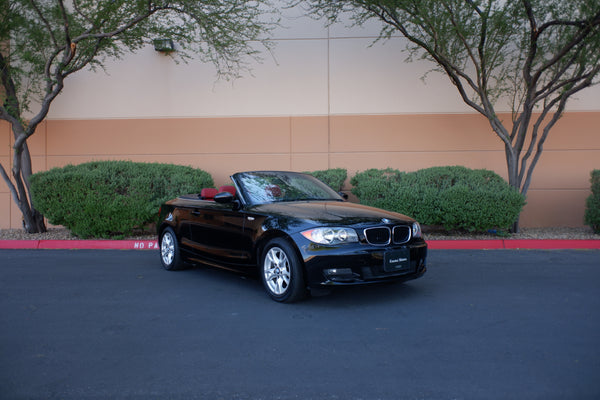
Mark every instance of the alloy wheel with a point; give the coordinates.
(167, 248)
(277, 271)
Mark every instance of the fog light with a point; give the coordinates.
(338, 272)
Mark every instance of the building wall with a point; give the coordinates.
(222, 146)
(326, 98)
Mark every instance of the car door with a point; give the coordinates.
(217, 234)
(184, 216)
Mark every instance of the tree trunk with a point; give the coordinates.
(33, 220)
(515, 228)
(37, 223)
(513, 178)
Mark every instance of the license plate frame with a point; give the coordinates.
(396, 260)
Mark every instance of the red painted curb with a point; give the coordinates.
(491, 244)
(525, 244)
(80, 244)
(19, 244)
(554, 244)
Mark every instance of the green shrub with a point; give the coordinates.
(592, 211)
(334, 178)
(111, 198)
(451, 197)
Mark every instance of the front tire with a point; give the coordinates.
(281, 272)
(170, 256)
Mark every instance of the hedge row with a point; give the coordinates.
(592, 211)
(334, 178)
(451, 197)
(111, 198)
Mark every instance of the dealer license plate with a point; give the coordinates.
(397, 260)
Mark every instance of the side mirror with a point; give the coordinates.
(223, 197)
(227, 198)
(344, 195)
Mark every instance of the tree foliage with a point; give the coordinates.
(530, 56)
(46, 41)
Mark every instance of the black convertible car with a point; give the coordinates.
(297, 232)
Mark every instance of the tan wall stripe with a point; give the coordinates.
(222, 146)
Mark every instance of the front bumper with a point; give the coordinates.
(359, 263)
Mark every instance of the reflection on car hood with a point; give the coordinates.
(325, 212)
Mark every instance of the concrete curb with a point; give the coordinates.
(490, 244)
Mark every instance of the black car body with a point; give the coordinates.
(295, 230)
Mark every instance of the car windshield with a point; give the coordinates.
(270, 187)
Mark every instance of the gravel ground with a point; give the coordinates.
(55, 234)
(525, 233)
(429, 233)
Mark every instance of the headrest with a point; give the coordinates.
(227, 188)
(208, 193)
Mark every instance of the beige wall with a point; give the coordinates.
(305, 77)
(222, 146)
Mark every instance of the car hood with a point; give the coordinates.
(334, 212)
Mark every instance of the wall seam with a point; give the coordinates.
(328, 98)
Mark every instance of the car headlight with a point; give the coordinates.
(416, 230)
(331, 235)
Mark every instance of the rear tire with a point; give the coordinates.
(170, 256)
(281, 272)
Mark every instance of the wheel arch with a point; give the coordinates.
(161, 228)
(165, 222)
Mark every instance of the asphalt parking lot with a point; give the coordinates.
(496, 324)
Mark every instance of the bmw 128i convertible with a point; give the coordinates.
(294, 230)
